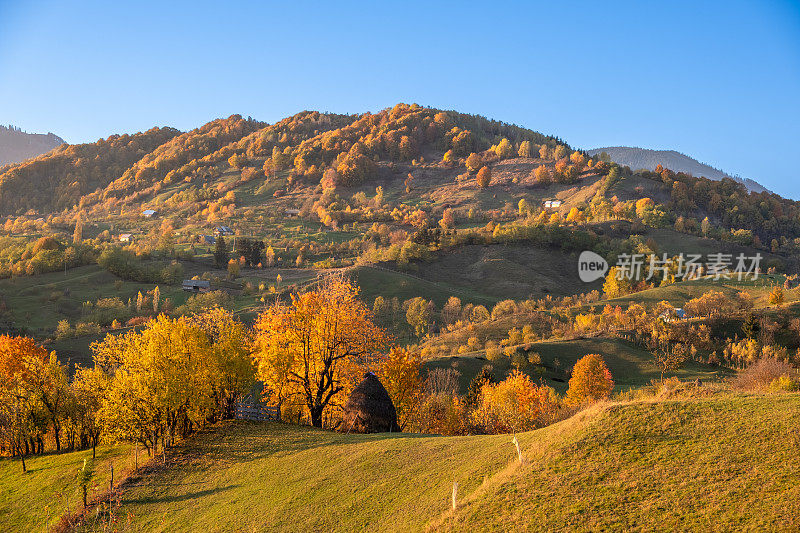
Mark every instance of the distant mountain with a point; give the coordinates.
(17, 146)
(637, 158)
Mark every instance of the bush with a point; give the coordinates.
(515, 404)
(785, 383)
(761, 374)
(200, 302)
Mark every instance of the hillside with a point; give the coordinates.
(674, 464)
(637, 158)
(17, 146)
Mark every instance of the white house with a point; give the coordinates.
(148, 213)
(552, 204)
(125, 237)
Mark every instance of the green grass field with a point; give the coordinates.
(630, 366)
(718, 463)
(35, 500)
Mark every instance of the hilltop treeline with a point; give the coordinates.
(130, 168)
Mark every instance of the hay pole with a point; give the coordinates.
(515, 442)
(455, 494)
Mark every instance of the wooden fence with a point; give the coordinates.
(256, 413)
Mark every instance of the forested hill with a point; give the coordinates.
(643, 158)
(129, 169)
(416, 161)
(17, 146)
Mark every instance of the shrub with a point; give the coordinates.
(515, 404)
(784, 383)
(761, 374)
(591, 380)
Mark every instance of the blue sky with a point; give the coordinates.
(719, 81)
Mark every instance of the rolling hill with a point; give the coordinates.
(17, 146)
(709, 462)
(637, 158)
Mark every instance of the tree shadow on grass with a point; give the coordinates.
(177, 498)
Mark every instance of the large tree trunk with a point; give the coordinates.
(316, 416)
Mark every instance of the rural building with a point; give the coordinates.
(673, 315)
(223, 230)
(208, 239)
(148, 213)
(196, 285)
(552, 204)
(291, 212)
(125, 237)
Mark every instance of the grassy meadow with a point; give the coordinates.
(714, 462)
(35, 500)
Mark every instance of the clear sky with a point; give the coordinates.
(719, 81)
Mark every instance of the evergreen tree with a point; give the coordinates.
(751, 327)
(474, 390)
(221, 253)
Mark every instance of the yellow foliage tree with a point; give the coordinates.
(400, 374)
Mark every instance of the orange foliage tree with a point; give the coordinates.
(317, 347)
(591, 380)
(515, 404)
(484, 177)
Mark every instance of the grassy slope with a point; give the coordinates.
(720, 463)
(35, 500)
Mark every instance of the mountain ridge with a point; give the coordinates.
(646, 158)
(17, 145)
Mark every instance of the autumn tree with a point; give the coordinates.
(89, 388)
(473, 162)
(776, 296)
(21, 392)
(317, 346)
(400, 373)
(515, 404)
(504, 149)
(77, 235)
(270, 257)
(451, 310)
(484, 177)
(163, 382)
(232, 367)
(47, 382)
(542, 175)
(591, 380)
(525, 149)
(544, 151)
(419, 314)
(616, 284)
(448, 219)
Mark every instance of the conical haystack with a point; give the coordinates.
(369, 408)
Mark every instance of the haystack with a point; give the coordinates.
(369, 408)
